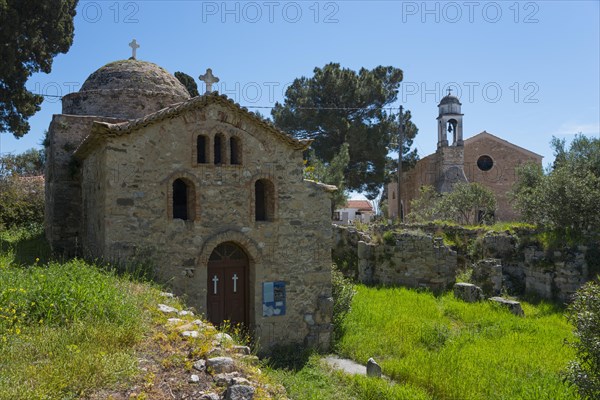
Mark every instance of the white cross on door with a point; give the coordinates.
(215, 280)
(235, 279)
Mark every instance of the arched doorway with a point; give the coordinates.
(227, 284)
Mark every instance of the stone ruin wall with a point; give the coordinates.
(502, 262)
(404, 259)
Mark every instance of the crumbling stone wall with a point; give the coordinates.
(510, 262)
(407, 259)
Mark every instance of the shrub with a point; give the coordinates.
(21, 201)
(389, 238)
(584, 314)
(343, 292)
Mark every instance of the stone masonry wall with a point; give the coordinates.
(502, 176)
(295, 246)
(63, 213)
(501, 261)
(404, 259)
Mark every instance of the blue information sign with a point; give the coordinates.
(273, 298)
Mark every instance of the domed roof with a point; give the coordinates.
(449, 99)
(126, 89)
(136, 75)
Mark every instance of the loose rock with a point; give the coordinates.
(209, 396)
(192, 334)
(468, 292)
(223, 337)
(239, 392)
(513, 306)
(220, 365)
(167, 309)
(245, 350)
(373, 369)
(226, 379)
(200, 365)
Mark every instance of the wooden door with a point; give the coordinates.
(227, 285)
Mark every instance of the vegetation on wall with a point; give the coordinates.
(342, 290)
(584, 314)
(21, 189)
(565, 199)
(467, 204)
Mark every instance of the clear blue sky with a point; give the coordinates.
(526, 70)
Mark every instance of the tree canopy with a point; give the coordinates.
(565, 199)
(467, 203)
(188, 82)
(28, 163)
(21, 189)
(331, 173)
(32, 33)
(338, 105)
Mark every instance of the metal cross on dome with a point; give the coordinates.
(449, 91)
(134, 46)
(208, 78)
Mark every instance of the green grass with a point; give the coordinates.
(456, 350)
(316, 381)
(66, 329)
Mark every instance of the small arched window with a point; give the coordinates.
(202, 149)
(235, 148)
(264, 200)
(183, 199)
(219, 149)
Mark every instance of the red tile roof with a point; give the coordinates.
(362, 205)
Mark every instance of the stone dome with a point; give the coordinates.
(449, 99)
(137, 75)
(126, 89)
(449, 105)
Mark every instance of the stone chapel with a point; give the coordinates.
(210, 194)
(483, 158)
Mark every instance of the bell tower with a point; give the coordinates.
(450, 157)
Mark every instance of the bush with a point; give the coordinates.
(467, 203)
(343, 292)
(584, 314)
(21, 201)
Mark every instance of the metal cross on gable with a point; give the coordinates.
(134, 46)
(208, 78)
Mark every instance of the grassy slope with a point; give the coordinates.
(456, 350)
(66, 329)
(73, 329)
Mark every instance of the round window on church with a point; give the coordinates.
(485, 163)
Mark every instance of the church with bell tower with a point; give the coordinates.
(483, 158)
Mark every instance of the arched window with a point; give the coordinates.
(202, 149)
(183, 199)
(235, 148)
(219, 149)
(264, 200)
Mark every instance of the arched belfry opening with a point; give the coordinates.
(227, 285)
